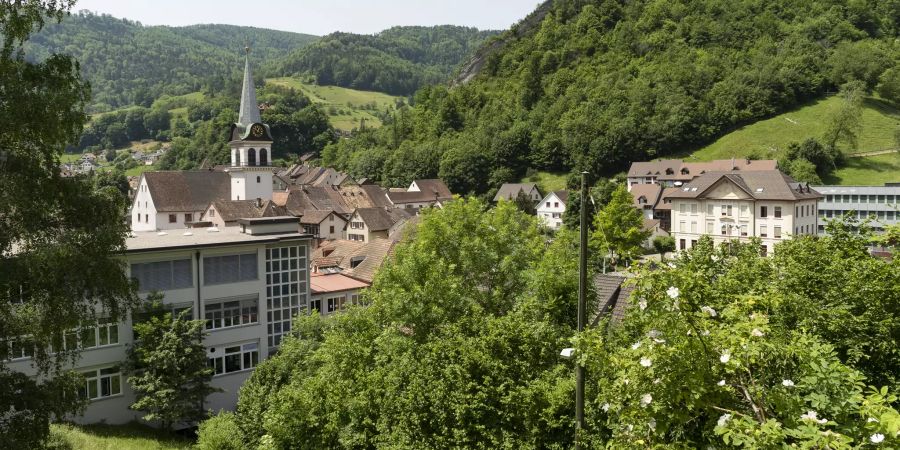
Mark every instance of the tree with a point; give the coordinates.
(525, 204)
(110, 155)
(889, 85)
(49, 225)
(663, 245)
(845, 123)
(167, 366)
(618, 229)
(803, 170)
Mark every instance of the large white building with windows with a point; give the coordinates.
(247, 286)
(741, 205)
(881, 204)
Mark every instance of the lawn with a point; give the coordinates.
(770, 137)
(547, 182)
(867, 171)
(345, 107)
(108, 437)
(138, 170)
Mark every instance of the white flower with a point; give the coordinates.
(705, 332)
(721, 383)
(642, 304)
(630, 427)
(626, 381)
(726, 356)
(876, 438)
(656, 381)
(757, 333)
(672, 265)
(646, 399)
(636, 345)
(688, 332)
(723, 419)
(675, 305)
(871, 419)
(814, 416)
(652, 424)
(673, 292)
(654, 333)
(646, 362)
(659, 341)
(787, 383)
(605, 407)
(708, 310)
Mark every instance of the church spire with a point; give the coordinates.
(249, 113)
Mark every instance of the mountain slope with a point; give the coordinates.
(128, 63)
(397, 61)
(594, 84)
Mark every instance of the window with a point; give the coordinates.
(709, 227)
(356, 237)
(763, 250)
(231, 313)
(709, 209)
(744, 210)
(229, 269)
(829, 199)
(548, 204)
(19, 348)
(315, 305)
(331, 229)
(146, 218)
(763, 211)
(693, 227)
(212, 213)
(682, 208)
(682, 226)
(724, 229)
(357, 225)
(101, 383)
(776, 233)
(257, 179)
(163, 275)
(726, 210)
(681, 244)
(236, 359)
(556, 204)
(777, 212)
(797, 211)
(763, 232)
(557, 215)
(172, 218)
(285, 289)
(335, 303)
(693, 208)
(854, 199)
(188, 218)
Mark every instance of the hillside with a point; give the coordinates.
(131, 64)
(593, 85)
(397, 61)
(346, 108)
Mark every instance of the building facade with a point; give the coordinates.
(881, 204)
(247, 287)
(739, 206)
(551, 208)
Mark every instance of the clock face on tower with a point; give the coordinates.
(257, 130)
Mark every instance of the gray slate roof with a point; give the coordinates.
(760, 185)
(232, 210)
(612, 297)
(178, 191)
(249, 113)
(381, 219)
(510, 191)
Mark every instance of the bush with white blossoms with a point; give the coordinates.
(729, 378)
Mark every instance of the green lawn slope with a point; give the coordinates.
(345, 107)
(107, 437)
(769, 139)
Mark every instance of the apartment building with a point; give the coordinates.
(246, 282)
(740, 205)
(676, 172)
(880, 203)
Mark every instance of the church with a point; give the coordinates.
(168, 200)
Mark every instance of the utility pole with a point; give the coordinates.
(582, 303)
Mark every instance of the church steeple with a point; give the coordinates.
(249, 113)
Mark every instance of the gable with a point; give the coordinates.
(725, 189)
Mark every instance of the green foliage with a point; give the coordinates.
(618, 232)
(397, 61)
(663, 244)
(219, 432)
(167, 366)
(128, 63)
(889, 85)
(48, 226)
(133, 436)
(711, 352)
(844, 125)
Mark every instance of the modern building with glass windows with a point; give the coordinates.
(879, 203)
(246, 283)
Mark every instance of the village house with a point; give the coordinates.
(342, 269)
(323, 224)
(227, 213)
(421, 194)
(551, 209)
(511, 191)
(740, 205)
(675, 172)
(368, 224)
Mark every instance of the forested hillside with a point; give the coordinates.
(131, 64)
(595, 84)
(396, 61)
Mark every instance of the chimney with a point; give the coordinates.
(258, 202)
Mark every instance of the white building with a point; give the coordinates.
(247, 286)
(323, 224)
(741, 205)
(551, 208)
(880, 203)
(171, 200)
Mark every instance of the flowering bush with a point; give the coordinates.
(697, 365)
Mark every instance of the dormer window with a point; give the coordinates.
(669, 171)
(685, 171)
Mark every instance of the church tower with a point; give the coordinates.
(251, 147)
